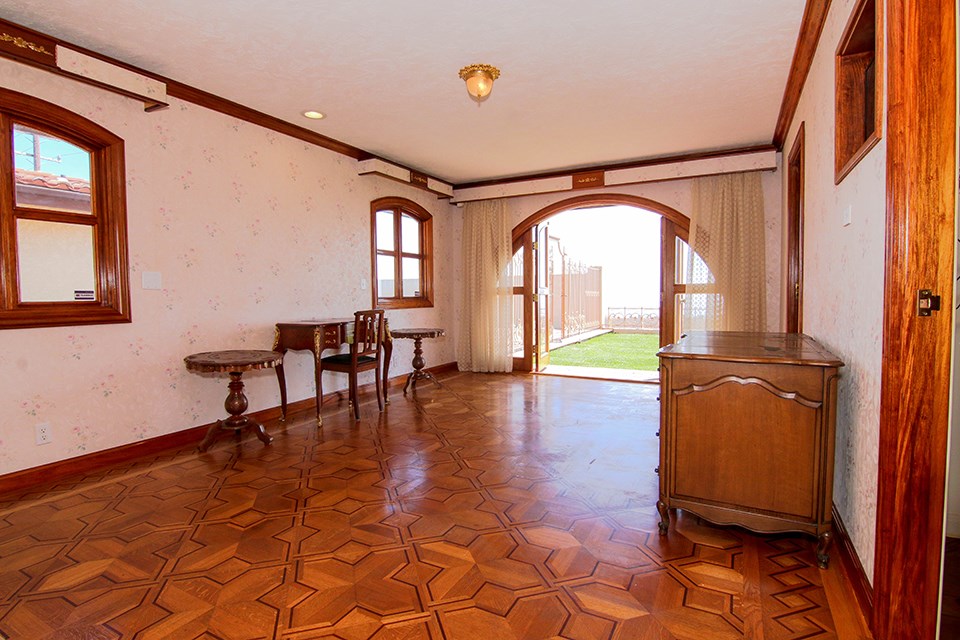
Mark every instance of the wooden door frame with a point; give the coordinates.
(921, 185)
(521, 234)
(597, 200)
(795, 197)
(525, 362)
(669, 288)
(541, 304)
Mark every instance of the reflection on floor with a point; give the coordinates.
(494, 507)
(598, 373)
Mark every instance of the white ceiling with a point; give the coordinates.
(583, 83)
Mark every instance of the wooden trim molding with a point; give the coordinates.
(921, 174)
(795, 204)
(649, 162)
(858, 122)
(814, 17)
(180, 91)
(852, 566)
(27, 45)
(599, 200)
(55, 471)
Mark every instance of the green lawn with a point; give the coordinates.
(636, 351)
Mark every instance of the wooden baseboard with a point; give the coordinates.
(862, 588)
(26, 478)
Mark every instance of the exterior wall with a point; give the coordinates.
(843, 285)
(679, 195)
(247, 228)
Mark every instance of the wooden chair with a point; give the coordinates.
(364, 355)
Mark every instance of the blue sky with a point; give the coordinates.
(57, 156)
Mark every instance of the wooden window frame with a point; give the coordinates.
(400, 206)
(108, 218)
(857, 129)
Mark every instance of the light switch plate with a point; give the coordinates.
(847, 216)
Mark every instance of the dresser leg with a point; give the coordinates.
(824, 540)
(664, 517)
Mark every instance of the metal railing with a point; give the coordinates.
(645, 318)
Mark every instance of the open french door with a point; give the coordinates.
(673, 279)
(531, 307)
(531, 291)
(541, 297)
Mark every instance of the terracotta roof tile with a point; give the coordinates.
(51, 181)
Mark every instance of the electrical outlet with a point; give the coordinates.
(43, 433)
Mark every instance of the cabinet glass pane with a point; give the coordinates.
(411, 277)
(517, 332)
(56, 261)
(517, 268)
(409, 234)
(690, 269)
(386, 284)
(385, 240)
(50, 173)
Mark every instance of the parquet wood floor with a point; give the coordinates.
(494, 508)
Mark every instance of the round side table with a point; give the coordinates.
(417, 335)
(234, 363)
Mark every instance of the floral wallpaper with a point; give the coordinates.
(843, 286)
(247, 227)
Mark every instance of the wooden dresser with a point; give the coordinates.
(747, 429)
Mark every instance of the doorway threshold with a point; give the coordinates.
(599, 373)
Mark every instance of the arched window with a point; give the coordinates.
(63, 222)
(402, 254)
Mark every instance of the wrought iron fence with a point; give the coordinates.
(643, 318)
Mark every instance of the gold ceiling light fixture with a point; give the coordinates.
(479, 79)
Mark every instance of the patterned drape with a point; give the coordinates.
(727, 234)
(485, 340)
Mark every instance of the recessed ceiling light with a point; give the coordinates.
(314, 115)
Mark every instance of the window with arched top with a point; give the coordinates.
(402, 254)
(63, 238)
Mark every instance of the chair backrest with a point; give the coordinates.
(367, 333)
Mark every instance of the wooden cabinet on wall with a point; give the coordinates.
(747, 427)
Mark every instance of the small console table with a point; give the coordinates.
(417, 335)
(316, 336)
(234, 363)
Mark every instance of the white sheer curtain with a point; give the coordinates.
(727, 263)
(486, 321)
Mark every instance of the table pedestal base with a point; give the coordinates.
(418, 373)
(235, 404)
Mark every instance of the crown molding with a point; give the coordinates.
(17, 46)
(814, 17)
(678, 167)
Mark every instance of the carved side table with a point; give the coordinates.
(417, 335)
(234, 363)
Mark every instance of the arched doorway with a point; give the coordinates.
(532, 287)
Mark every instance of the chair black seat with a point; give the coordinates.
(344, 358)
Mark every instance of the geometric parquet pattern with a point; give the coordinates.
(494, 507)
